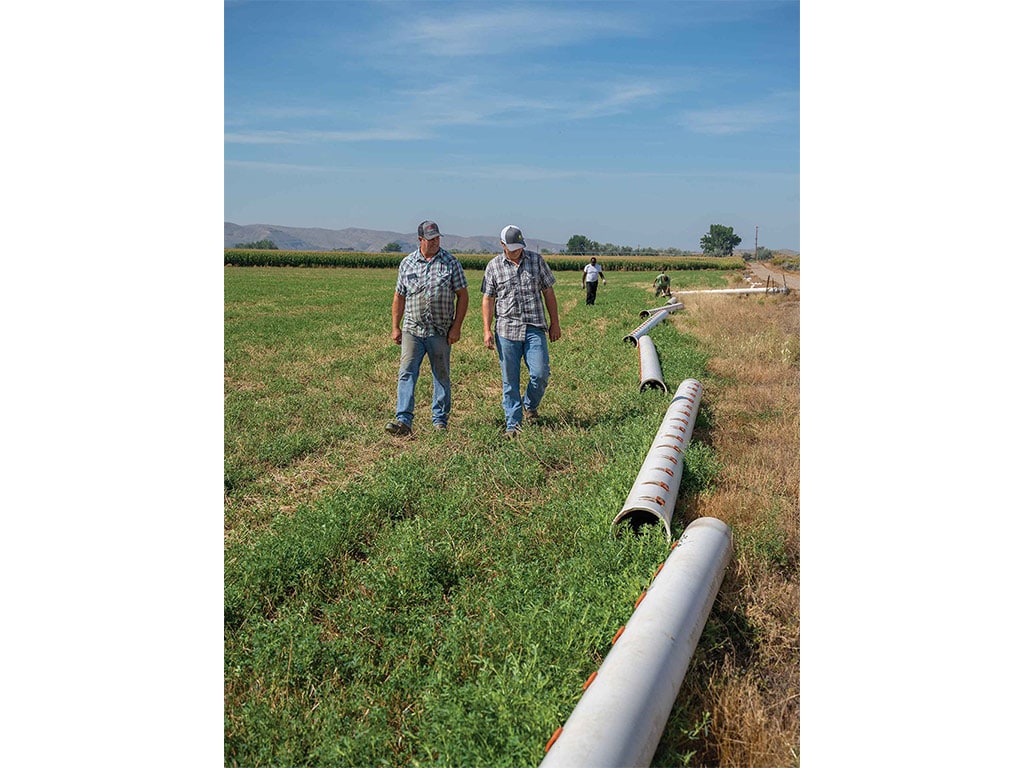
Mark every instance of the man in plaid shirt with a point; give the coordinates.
(430, 304)
(517, 287)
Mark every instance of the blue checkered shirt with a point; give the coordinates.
(517, 291)
(429, 289)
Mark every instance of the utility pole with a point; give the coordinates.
(755, 243)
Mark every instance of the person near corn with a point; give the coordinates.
(592, 272)
(517, 287)
(430, 303)
(661, 284)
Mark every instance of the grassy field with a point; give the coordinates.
(441, 600)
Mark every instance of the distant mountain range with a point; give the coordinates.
(366, 240)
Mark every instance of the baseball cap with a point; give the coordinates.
(512, 238)
(428, 230)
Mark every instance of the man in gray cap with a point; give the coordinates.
(430, 304)
(517, 287)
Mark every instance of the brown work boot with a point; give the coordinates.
(397, 428)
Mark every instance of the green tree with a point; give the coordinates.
(719, 241)
(392, 247)
(581, 244)
(259, 245)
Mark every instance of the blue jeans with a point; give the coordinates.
(534, 350)
(438, 351)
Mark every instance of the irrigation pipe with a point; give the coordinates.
(625, 705)
(652, 499)
(650, 366)
(775, 289)
(644, 327)
(667, 308)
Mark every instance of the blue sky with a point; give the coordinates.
(635, 123)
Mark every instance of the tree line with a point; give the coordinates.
(720, 240)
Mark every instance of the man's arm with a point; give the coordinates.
(461, 305)
(487, 308)
(554, 329)
(397, 312)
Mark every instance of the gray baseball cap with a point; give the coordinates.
(512, 237)
(428, 230)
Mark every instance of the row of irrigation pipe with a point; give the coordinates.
(626, 703)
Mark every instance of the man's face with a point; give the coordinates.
(429, 248)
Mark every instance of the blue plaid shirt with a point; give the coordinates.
(429, 289)
(517, 291)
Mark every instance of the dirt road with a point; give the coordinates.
(762, 272)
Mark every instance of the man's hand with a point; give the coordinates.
(396, 335)
(454, 334)
(555, 331)
(488, 339)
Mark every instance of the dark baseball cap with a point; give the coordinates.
(428, 230)
(512, 237)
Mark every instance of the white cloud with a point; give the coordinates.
(322, 137)
(774, 110)
(614, 99)
(258, 165)
(508, 30)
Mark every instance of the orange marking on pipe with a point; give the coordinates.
(590, 680)
(639, 600)
(553, 739)
(659, 569)
(618, 634)
(675, 448)
(656, 499)
(657, 483)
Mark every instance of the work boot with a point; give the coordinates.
(397, 428)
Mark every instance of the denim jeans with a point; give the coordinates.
(534, 350)
(438, 351)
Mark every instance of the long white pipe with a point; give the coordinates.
(650, 366)
(644, 327)
(622, 713)
(667, 308)
(736, 290)
(652, 499)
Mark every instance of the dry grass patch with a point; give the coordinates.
(752, 397)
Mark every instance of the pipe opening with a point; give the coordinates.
(653, 384)
(636, 519)
(630, 339)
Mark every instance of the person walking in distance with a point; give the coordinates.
(517, 287)
(430, 303)
(591, 273)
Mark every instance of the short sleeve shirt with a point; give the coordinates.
(518, 293)
(591, 272)
(429, 289)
